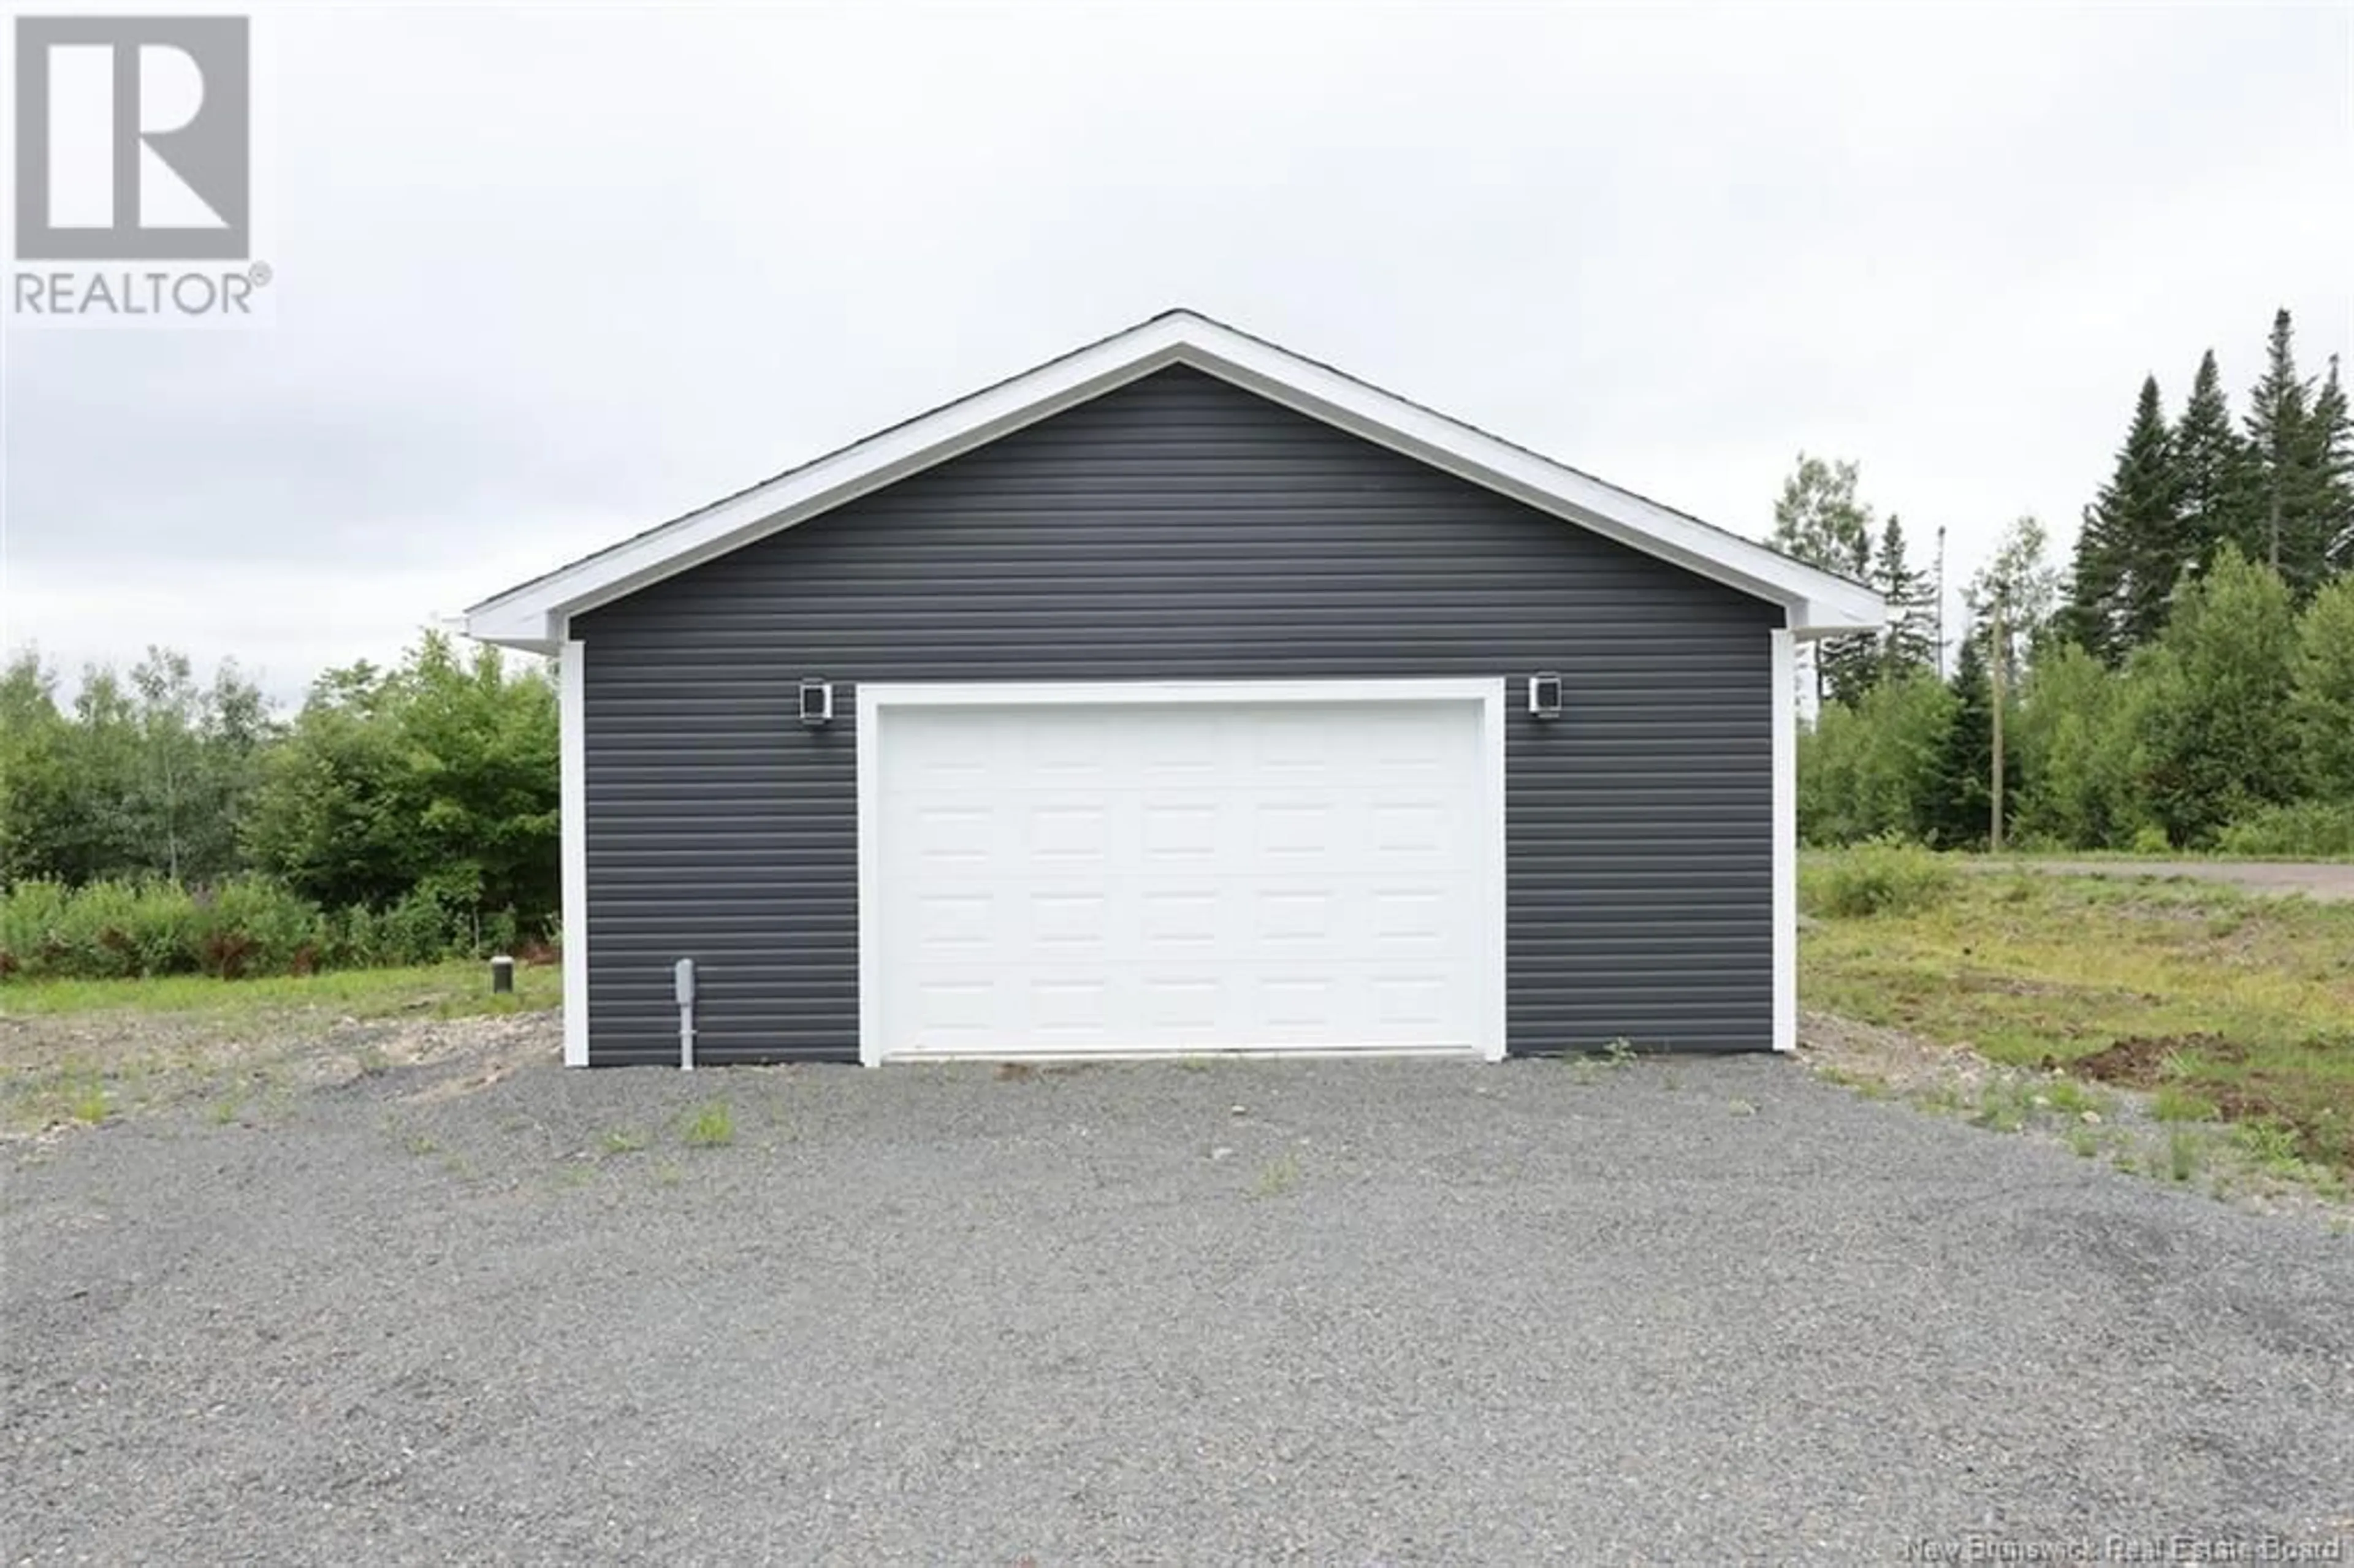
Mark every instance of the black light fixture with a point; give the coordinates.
(1544, 695)
(817, 701)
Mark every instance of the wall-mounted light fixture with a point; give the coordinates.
(817, 701)
(1544, 695)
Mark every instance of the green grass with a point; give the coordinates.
(442, 991)
(87, 1100)
(2004, 1106)
(2172, 1102)
(2073, 1098)
(623, 1140)
(1876, 879)
(2248, 1002)
(2182, 1154)
(712, 1126)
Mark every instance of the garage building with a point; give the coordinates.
(1181, 695)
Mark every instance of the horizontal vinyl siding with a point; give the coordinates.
(1177, 529)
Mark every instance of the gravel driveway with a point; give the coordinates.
(2331, 881)
(1359, 1312)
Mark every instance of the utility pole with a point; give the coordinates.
(1994, 678)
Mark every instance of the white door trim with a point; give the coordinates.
(875, 701)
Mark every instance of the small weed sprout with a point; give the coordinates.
(2269, 1142)
(87, 1101)
(372, 1062)
(1277, 1176)
(2071, 1097)
(2173, 1104)
(623, 1140)
(2182, 1152)
(2004, 1112)
(713, 1125)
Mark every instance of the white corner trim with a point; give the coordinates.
(1784, 666)
(572, 803)
(532, 614)
(875, 701)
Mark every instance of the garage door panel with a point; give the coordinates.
(1097, 878)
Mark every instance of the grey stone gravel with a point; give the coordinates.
(2328, 881)
(1326, 1312)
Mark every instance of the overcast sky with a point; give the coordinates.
(545, 275)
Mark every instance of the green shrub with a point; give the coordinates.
(2150, 839)
(109, 930)
(1883, 877)
(418, 929)
(32, 923)
(245, 926)
(2301, 831)
(248, 926)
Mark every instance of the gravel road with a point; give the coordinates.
(2327, 879)
(478, 1308)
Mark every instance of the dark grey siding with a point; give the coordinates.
(1178, 527)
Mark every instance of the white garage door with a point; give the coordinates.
(1165, 869)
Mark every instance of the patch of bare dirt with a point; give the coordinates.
(1903, 1062)
(2140, 1061)
(51, 1067)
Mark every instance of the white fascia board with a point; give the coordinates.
(532, 616)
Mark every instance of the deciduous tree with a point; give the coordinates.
(1818, 519)
(2216, 727)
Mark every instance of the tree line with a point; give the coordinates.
(410, 810)
(2187, 681)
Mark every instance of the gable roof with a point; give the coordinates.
(532, 615)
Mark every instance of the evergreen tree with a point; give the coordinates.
(2330, 441)
(1910, 643)
(2214, 470)
(1959, 815)
(1818, 520)
(2095, 585)
(2130, 546)
(2280, 418)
